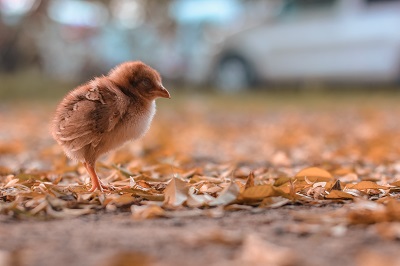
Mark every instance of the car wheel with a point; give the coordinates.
(233, 74)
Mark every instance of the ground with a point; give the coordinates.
(271, 178)
(234, 239)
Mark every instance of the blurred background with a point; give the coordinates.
(229, 45)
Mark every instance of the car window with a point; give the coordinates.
(301, 8)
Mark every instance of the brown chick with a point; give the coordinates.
(106, 112)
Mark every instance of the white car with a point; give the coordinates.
(340, 40)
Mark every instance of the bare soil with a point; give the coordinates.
(117, 239)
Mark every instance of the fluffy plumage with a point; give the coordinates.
(106, 112)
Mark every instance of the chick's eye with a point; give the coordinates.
(146, 82)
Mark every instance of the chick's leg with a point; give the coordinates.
(96, 183)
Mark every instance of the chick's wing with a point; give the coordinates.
(87, 113)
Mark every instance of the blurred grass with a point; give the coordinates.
(30, 86)
(291, 98)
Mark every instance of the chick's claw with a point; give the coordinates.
(102, 187)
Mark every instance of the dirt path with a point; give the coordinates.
(269, 237)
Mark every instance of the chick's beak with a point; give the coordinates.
(162, 92)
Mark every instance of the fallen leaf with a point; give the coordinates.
(194, 200)
(396, 184)
(274, 202)
(337, 186)
(227, 196)
(351, 177)
(366, 185)
(176, 192)
(314, 174)
(147, 212)
(281, 181)
(250, 180)
(11, 183)
(121, 200)
(337, 194)
(67, 213)
(259, 192)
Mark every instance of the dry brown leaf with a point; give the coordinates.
(227, 196)
(195, 200)
(175, 193)
(259, 192)
(40, 207)
(343, 171)
(337, 186)
(355, 192)
(314, 172)
(11, 183)
(151, 196)
(366, 185)
(250, 180)
(317, 191)
(274, 202)
(337, 194)
(120, 200)
(147, 212)
(396, 184)
(192, 172)
(281, 181)
(367, 212)
(67, 213)
(211, 189)
(351, 177)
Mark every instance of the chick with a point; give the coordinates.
(106, 112)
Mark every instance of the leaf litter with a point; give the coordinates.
(161, 178)
(215, 164)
